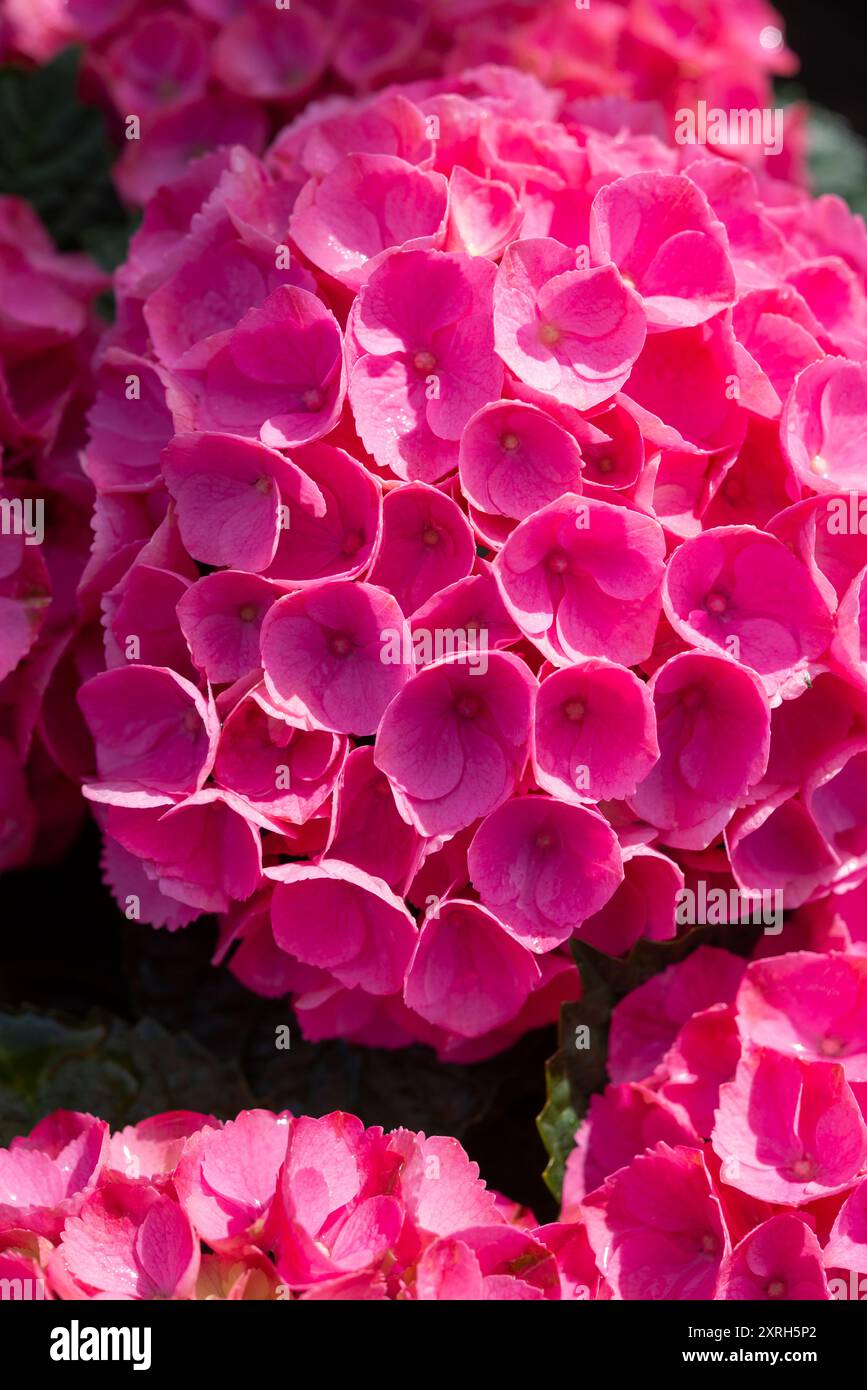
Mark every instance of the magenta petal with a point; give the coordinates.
(543, 867)
(468, 974)
(370, 936)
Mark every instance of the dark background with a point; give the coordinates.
(829, 38)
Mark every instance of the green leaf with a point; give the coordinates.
(838, 158)
(104, 1065)
(55, 153)
(557, 1123)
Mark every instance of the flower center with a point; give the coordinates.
(558, 562)
(191, 721)
(549, 334)
(831, 1047)
(544, 840)
(605, 465)
(575, 710)
(709, 1243)
(312, 399)
(352, 542)
(819, 466)
(339, 644)
(775, 1289)
(424, 361)
(248, 613)
(430, 535)
(509, 441)
(716, 602)
(804, 1169)
(468, 706)
(263, 484)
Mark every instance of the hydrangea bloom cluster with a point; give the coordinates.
(727, 1159)
(197, 74)
(477, 552)
(181, 1206)
(48, 333)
